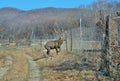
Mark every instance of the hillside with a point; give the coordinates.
(9, 13)
(17, 21)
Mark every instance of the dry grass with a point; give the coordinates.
(2, 59)
(19, 68)
(66, 66)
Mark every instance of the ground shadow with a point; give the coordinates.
(71, 65)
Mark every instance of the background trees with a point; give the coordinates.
(43, 21)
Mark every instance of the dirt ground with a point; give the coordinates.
(18, 70)
(66, 66)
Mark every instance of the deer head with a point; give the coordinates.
(59, 33)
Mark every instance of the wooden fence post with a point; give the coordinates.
(106, 47)
(41, 41)
(71, 40)
(105, 62)
(66, 40)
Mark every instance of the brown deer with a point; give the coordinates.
(54, 44)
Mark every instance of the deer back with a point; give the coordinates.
(51, 44)
(54, 43)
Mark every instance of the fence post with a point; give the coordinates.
(41, 41)
(102, 64)
(71, 40)
(31, 37)
(107, 48)
(80, 35)
(105, 62)
(66, 40)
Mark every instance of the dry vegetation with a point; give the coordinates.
(2, 59)
(19, 67)
(70, 66)
(66, 66)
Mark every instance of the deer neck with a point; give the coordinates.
(60, 42)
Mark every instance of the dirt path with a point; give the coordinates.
(34, 73)
(8, 63)
(17, 64)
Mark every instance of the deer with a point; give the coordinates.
(54, 44)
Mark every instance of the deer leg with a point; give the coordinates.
(59, 49)
(48, 52)
(56, 50)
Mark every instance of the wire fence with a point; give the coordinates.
(86, 39)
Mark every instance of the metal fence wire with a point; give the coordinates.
(86, 39)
